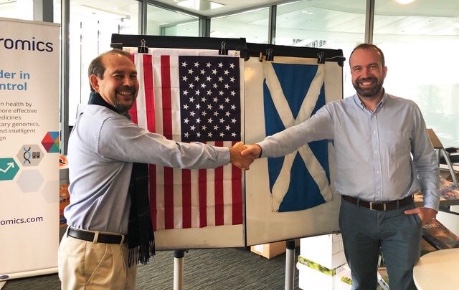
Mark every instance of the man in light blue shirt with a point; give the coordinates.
(110, 228)
(383, 156)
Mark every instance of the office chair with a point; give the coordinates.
(443, 155)
(453, 155)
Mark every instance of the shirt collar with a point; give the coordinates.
(96, 99)
(361, 105)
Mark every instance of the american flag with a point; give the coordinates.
(189, 95)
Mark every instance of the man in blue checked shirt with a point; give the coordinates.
(383, 156)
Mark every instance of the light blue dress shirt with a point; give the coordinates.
(380, 156)
(102, 148)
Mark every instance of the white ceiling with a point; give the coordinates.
(229, 6)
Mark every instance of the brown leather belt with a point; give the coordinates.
(96, 237)
(383, 206)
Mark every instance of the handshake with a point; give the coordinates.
(242, 155)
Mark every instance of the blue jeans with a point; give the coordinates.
(367, 233)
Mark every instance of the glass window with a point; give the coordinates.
(419, 39)
(57, 11)
(323, 24)
(421, 59)
(91, 28)
(19, 9)
(161, 21)
(251, 25)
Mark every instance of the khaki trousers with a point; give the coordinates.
(94, 266)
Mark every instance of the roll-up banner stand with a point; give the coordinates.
(29, 148)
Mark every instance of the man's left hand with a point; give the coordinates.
(424, 213)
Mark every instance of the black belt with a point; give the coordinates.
(96, 237)
(388, 205)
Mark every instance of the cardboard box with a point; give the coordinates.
(269, 250)
(326, 250)
(343, 279)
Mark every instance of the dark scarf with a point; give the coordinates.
(141, 240)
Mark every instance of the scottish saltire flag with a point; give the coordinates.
(291, 94)
(190, 95)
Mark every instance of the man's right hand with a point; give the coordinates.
(253, 151)
(236, 158)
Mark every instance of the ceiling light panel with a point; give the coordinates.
(200, 5)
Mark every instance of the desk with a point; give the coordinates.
(449, 194)
(437, 270)
(439, 237)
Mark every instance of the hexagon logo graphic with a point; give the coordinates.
(30, 155)
(50, 191)
(8, 168)
(30, 181)
(51, 142)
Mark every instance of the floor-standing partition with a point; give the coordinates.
(291, 196)
(220, 91)
(192, 90)
(263, 88)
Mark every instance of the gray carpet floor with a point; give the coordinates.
(204, 269)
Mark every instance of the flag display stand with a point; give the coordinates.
(179, 255)
(251, 219)
(290, 265)
(223, 45)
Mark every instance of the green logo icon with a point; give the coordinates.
(8, 169)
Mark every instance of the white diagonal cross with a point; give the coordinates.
(312, 164)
